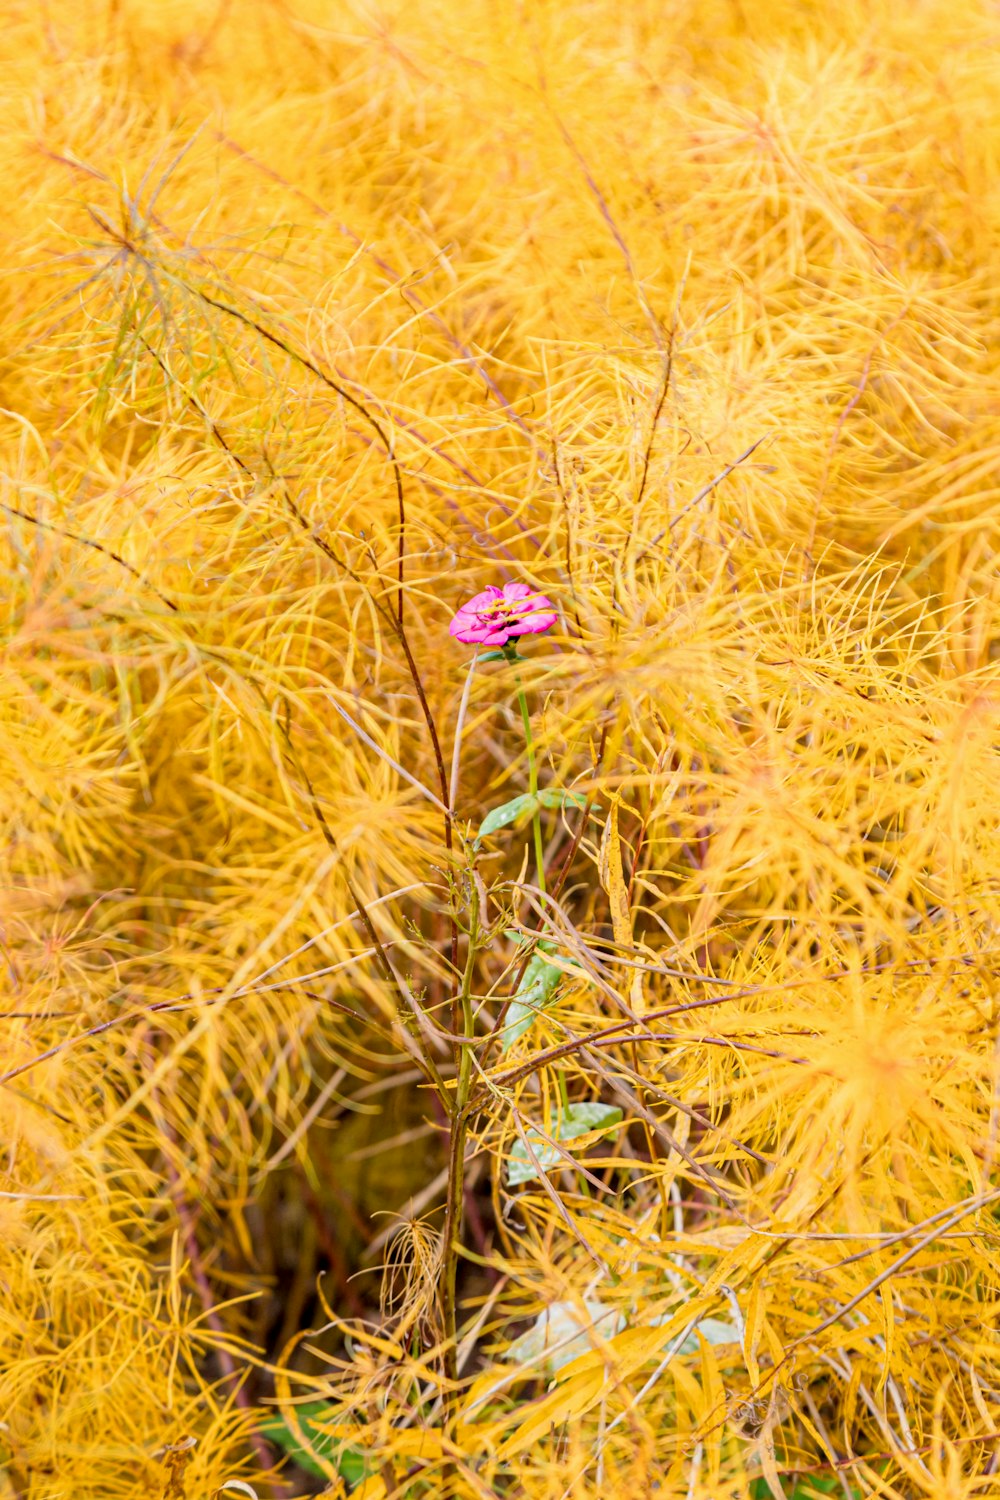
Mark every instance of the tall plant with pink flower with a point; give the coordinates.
(498, 617)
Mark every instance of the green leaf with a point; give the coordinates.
(508, 812)
(562, 1332)
(577, 1120)
(352, 1466)
(493, 656)
(536, 990)
(714, 1331)
(807, 1487)
(525, 806)
(544, 945)
(558, 796)
(349, 1462)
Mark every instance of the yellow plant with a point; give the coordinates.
(644, 1142)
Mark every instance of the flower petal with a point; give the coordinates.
(516, 591)
(484, 600)
(466, 627)
(534, 623)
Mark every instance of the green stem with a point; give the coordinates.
(536, 829)
(536, 821)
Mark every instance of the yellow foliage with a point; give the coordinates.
(318, 317)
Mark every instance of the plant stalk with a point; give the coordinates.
(536, 820)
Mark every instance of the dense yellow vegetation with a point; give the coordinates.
(318, 317)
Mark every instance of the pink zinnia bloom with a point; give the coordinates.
(494, 616)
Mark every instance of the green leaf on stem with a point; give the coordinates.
(537, 987)
(520, 809)
(713, 1330)
(536, 990)
(522, 939)
(806, 1487)
(574, 1121)
(559, 796)
(562, 1332)
(350, 1463)
(514, 811)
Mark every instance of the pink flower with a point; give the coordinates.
(494, 616)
